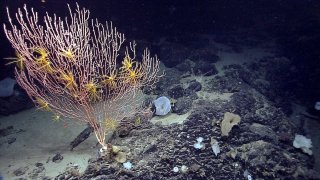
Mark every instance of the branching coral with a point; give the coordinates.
(71, 68)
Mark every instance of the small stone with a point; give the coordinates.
(39, 164)
(194, 86)
(263, 131)
(20, 171)
(57, 158)
(11, 140)
(176, 92)
(182, 106)
(194, 167)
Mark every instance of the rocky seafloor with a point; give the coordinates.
(259, 146)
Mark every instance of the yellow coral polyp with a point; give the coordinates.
(109, 81)
(42, 53)
(42, 104)
(110, 124)
(133, 75)
(92, 89)
(68, 54)
(137, 121)
(56, 118)
(127, 63)
(19, 60)
(46, 65)
(42, 60)
(69, 80)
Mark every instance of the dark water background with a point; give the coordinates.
(293, 24)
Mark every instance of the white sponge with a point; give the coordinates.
(163, 106)
(303, 143)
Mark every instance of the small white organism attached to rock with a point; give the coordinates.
(127, 165)
(303, 143)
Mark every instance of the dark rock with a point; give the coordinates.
(57, 158)
(285, 137)
(205, 68)
(194, 86)
(256, 152)
(172, 77)
(150, 148)
(123, 131)
(195, 167)
(81, 137)
(313, 174)
(265, 156)
(20, 171)
(176, 92)
(6, 131)
(226, 84)
(243, 102)
(17, 102)
(126, 126)
(263, 131)
(173, 54)
(148, 102)
(38, 172)
(275, 118)
(9, 130)
(174, 147)
(191, 95)
(182, 106)
(11, 140)
(277, 79)
(39, 164)
(99, 170)
(185, 66)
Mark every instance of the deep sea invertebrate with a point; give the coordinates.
(74, 67)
